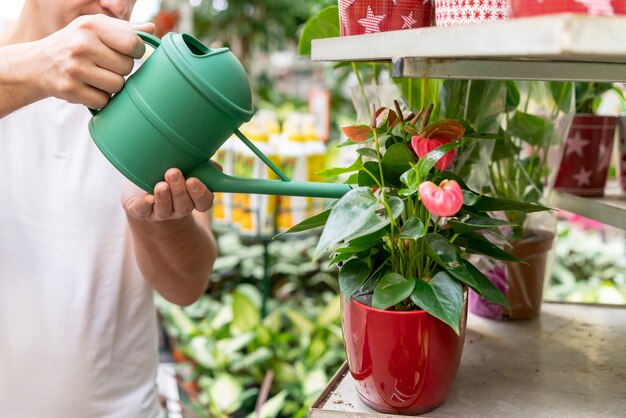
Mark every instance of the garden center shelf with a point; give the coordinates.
(556, 47)
(609, 209)
(567, 362)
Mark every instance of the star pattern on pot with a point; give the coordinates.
(604, 158)
(343, 6)
(408, 21)
(575, 145)
(598, 7)
(583, 178)
(371, 22)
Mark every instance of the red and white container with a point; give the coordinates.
(468, 12)
(358, 17)
(522, 8)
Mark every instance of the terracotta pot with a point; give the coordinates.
(357, 17)
(466, 12)
(521, 283)
(401, 362)
(586, 155)
(621, 161)
(521, 8)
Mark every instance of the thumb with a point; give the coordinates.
(144, 27)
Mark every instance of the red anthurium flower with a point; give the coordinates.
(443, 200)
(422, 146)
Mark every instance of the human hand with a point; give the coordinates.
(174, 198)
(86, 61)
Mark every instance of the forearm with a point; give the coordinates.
(175, 256)
(19, 83)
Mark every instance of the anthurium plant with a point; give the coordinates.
(402, 233)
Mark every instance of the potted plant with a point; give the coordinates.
(401, 237)
(587, 154)
(529, 144)
(454, 12)
(523, 8)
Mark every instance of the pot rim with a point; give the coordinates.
(385, 311)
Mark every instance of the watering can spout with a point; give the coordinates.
(217, 181)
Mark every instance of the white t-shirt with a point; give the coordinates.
(78, 332)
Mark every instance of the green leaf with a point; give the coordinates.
(442, 297)
(447, 256)
(272, 407)
(399, 157)
(530, 128)
(323, 25)
(476, 223)
(225, 393)
(352, 275)
(483, 286)
(368, 152)
(391, 176)
(391, 289)
(562, 93)
(411, 181)
(486, 203)
(412, 229)
(333, 172)
(481, 245)
(355, 215)
(428, 161)
(313, 222)
(246, 313)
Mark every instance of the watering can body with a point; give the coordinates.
(177, 110)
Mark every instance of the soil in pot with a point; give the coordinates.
(521, 283)
(401, 362)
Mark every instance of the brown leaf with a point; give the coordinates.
(357, 133)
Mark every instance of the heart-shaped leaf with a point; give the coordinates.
(357, 133)
(412, 229)
(391, 289)
(391, 176)
(399, 157)
(333, 172)
(447, 256)
(484, 287)
(313, 222)
(480, 245)
(442, 297)
(351, 276)
(355, 215)
(445, 128)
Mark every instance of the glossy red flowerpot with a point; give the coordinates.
(522, 8)
(357, 17)
(587, 155)
(467, 12)
(401, 362)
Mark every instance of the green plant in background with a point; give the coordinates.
(589, 96)
(404, 229)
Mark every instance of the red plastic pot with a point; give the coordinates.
(401, 362)
(587, 155)
(522, 8)
(357, 17)
(466, 12)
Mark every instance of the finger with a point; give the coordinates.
(200, 194)
(104, 80)
(163, 208)
(89, 96)
(147, 27)
(141, 207)
(120, 36)
(112, 60)
(182, 203)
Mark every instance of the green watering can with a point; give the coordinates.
(177, 110)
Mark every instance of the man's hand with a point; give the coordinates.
(173, 198)
(86, 61)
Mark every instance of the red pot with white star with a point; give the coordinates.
(522, 8)
(621, 160)
(587, 155)
(468, 12)
(357, 17)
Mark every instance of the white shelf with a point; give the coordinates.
(568, 362)
(566, 46)
(609, 209)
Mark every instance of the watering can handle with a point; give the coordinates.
(149, 39)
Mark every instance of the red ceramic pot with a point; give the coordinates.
(357, 17)
(401, 362)
(587, 155)
(521, 8)
(465, 12)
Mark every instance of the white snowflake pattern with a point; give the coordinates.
(598, 7)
